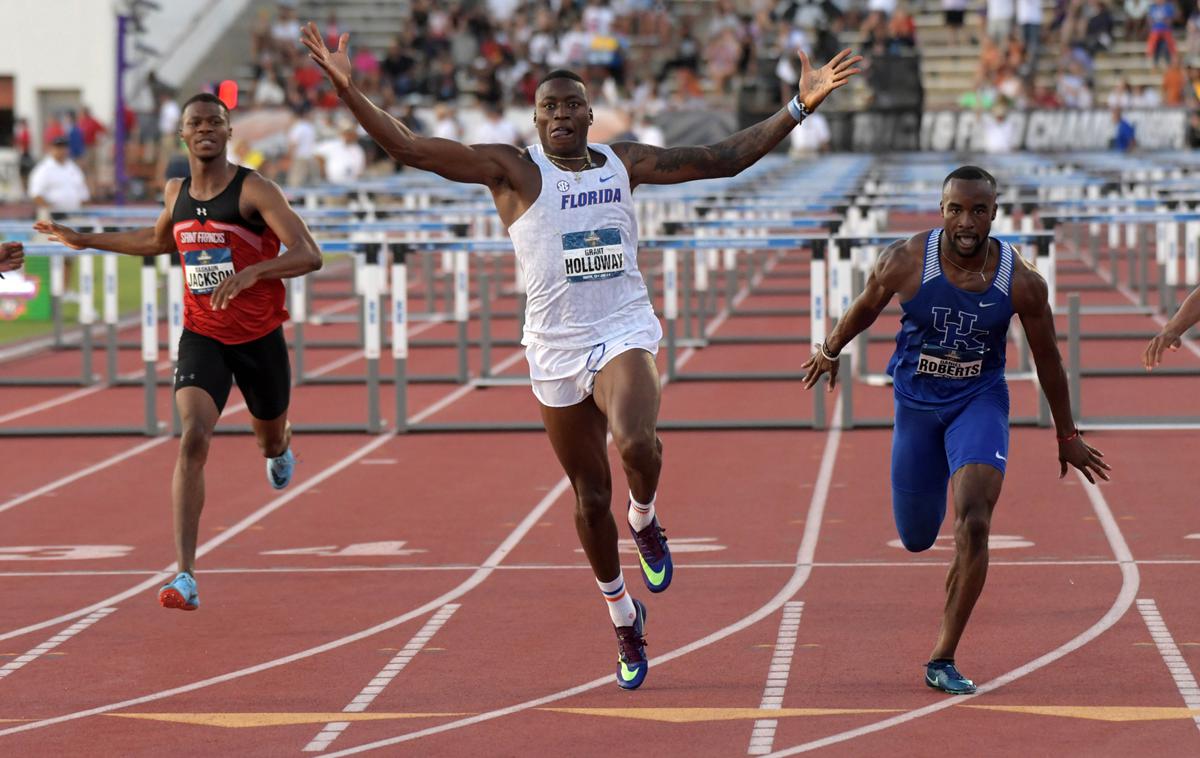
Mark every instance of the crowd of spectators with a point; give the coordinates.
(641, 58)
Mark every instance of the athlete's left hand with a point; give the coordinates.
(1083, 457)
(815, 85)
(229, 288)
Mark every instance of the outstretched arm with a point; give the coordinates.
(1030, 301)
(656, 165)
(1171, 336)
(474, 164)
(143, 241)
(301, 256)
(887, 278)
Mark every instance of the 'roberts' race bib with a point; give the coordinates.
(948, 363)
(207, 268)
(597, 254)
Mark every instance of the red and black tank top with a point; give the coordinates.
(215, 242)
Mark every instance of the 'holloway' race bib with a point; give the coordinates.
(597, 254)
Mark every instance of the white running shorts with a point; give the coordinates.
(565, 377)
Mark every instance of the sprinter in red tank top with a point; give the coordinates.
(227, 223)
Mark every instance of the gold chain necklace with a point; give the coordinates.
(586, 157)
(987, 251)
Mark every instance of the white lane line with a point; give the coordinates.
(101, 386)
(1185, 681)
(383, 678)
(54, 641)
(808, 546)
(83, 473)
(574, 567)
(762, 737)
(1130, 578)
(510, 542)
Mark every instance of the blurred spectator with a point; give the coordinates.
(1124, 139)
(998, 131)
(1191, 45)
(445, 124)
(1135, 17)
(953, 13)
(647, 132)
(1045, 96)
(23, 142)
(1029, 21)
(811, 137)
(342, 159)
(285, 32)
(76, 147)
(57, 184)
(1147, 97)
(1073, 86)
(1192, 137)
(1172, 84)
(495, 128)
(999, 20)
(302, 149)
(168, 128)
(1160, 45)
(1121, 96)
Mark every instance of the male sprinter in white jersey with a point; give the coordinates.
(590, 330)
(227, 223)
(951, 399)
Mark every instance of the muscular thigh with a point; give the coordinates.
(263, 374)
(628, 390)
(202, 365)
(578, 433)
(919, 452)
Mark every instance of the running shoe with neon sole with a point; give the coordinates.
(631, 651)
(942, 675)
(279, 470)
(653, 554)
(180, 593)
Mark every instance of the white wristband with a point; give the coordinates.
(826, 355)
(797, 109)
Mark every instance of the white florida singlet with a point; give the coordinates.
(577, 248)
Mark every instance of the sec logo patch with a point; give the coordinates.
(563, 186)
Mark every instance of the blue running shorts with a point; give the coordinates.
(929, 446)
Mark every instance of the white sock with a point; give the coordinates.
(620, 604)
(640, 515)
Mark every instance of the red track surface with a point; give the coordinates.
(284, 641)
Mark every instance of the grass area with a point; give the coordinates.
(129, 296)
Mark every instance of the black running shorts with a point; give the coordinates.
(261, 368)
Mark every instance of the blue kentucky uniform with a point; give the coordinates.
(950, 394)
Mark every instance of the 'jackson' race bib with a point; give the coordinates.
(597, 254)
(207, 268)
(949, 363)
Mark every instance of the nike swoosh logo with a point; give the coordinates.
(606, 178)
(627, 673)
(1001, 457)
(655, 577)
(986, 305)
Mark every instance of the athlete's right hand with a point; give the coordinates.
(1165, 339)
(12, 256)
(336, 63)
(59, 233)
(816, 365)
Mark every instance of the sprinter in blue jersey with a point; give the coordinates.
(958, 289)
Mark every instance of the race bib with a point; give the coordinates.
(949, 363)
(207, 268)
(597, 254)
